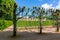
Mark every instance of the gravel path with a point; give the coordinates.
(30, 34)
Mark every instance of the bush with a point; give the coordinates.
(4, 24)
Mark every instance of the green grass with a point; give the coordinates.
(47, 23)
(21, 23)
(4, 24)
(33, 23)
(27, 23)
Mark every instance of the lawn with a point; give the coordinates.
(4, 24)
(21, 23)
(47, 23)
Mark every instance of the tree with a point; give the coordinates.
(40, 12)
(52, 15)
(7, 7)
(6, 10)
(57, 19)
(14, 20)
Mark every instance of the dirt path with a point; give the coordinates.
(45, 29)
(9, 28)
(29, 34)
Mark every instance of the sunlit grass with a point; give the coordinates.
(21, 23)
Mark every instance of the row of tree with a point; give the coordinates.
(41, 12)
(10, 10)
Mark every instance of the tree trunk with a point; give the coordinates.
(14, 24)
(57, 28)
(14, 29)
(14, 20)
(57, 24)
(40, 24)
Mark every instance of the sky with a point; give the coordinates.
(40, 3)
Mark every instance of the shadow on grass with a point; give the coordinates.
(7, 35)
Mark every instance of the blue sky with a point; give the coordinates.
(40, 3)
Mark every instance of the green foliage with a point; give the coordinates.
(6, 8)
(4, 24)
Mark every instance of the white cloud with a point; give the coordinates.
(58, 5)
(47, 6)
